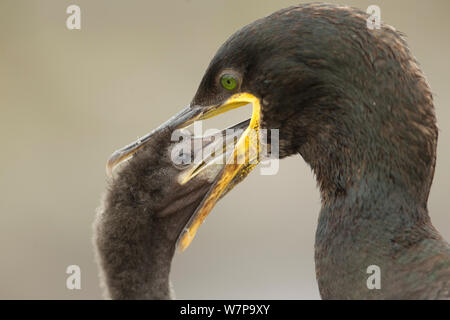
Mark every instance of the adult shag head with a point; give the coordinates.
(354, 104)
(352, 101)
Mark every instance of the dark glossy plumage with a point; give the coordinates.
(354, 103)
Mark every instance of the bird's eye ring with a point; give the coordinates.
(228, 81)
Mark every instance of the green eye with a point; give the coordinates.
(228, 81)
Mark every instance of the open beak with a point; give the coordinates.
(243, 158)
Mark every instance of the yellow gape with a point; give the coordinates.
(244, 158)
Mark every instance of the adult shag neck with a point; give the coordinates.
(373, 224)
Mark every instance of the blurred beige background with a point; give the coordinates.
(70, 98)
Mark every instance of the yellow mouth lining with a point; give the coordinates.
(244, 158)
